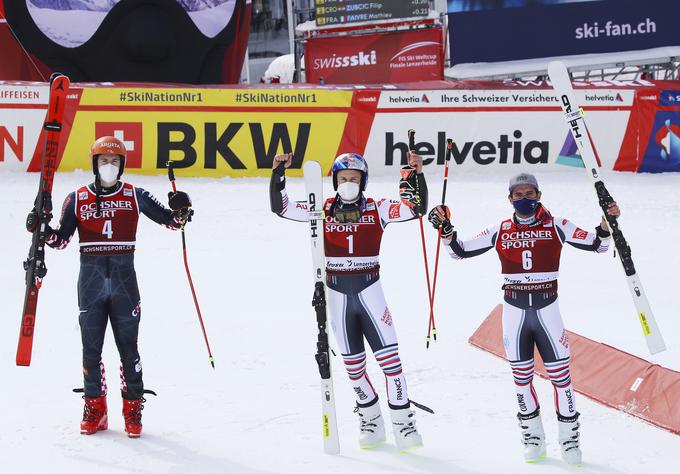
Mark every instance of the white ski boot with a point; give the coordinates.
(371, 426)
(406, 434)
(533, 436)
(569, 439)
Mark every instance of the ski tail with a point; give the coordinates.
(35, 263)
(573, 115)
(314, 187)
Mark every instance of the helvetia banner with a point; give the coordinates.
(400, 56)
(528, 29)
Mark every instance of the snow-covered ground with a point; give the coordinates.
(258, 411)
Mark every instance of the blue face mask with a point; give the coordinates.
(525, 206)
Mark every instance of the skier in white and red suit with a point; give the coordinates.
(106, 213)
(529, 245)
(354, 225)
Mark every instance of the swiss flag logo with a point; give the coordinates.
(130, 133)
(580, 234)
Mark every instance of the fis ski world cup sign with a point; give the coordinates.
(401, 56)
(339, 12)
(546, 28)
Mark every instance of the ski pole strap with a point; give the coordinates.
(421, 406)
(171, 174)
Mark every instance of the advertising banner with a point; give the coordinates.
(339, 12)
(22, 111)
(527, 29)
(659, 132)
(210, 132)
(397, 57)
(236, 132)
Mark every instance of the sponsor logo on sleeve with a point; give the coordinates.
(387, 317)
(82, 196)
(506, 226)
(580, 234)
(395, 211)
(127, 192)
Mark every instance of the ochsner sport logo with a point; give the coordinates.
(362, 58)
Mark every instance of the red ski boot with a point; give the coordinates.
(94, 416)
(132, 412)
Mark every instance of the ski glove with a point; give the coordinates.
(408, 187)
(33, 220)
(439, 217)
(178, 200)
(182, 216)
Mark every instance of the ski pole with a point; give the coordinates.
(449, 147)
(171, 176)
(419, 207)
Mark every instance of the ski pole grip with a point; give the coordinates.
(412, 140)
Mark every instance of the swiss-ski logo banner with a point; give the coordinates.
(401, 56)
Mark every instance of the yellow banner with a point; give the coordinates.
(214, 144)
(255, 98)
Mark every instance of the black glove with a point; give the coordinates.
(439, 217)
(182, 216)
(408, 187)
(178, 200)
(33, 220)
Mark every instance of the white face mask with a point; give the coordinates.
(108, 174)
(349, 192)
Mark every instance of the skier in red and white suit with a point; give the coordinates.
(529, 246)
(353, 230)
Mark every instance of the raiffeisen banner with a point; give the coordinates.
(507, 30)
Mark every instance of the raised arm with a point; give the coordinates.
(153, 209)
(278, 197)
(459, 249)
(573, 235)
(412, 193)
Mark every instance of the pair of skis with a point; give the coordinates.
(35, 263)
(559, 76)
(315, 201)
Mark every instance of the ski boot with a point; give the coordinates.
(406, 434)
(371, 425)
(569, 439)
(533, 436)
(132, 412)
(95, 416)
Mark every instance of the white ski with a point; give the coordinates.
(314, 188)
(561, 82)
